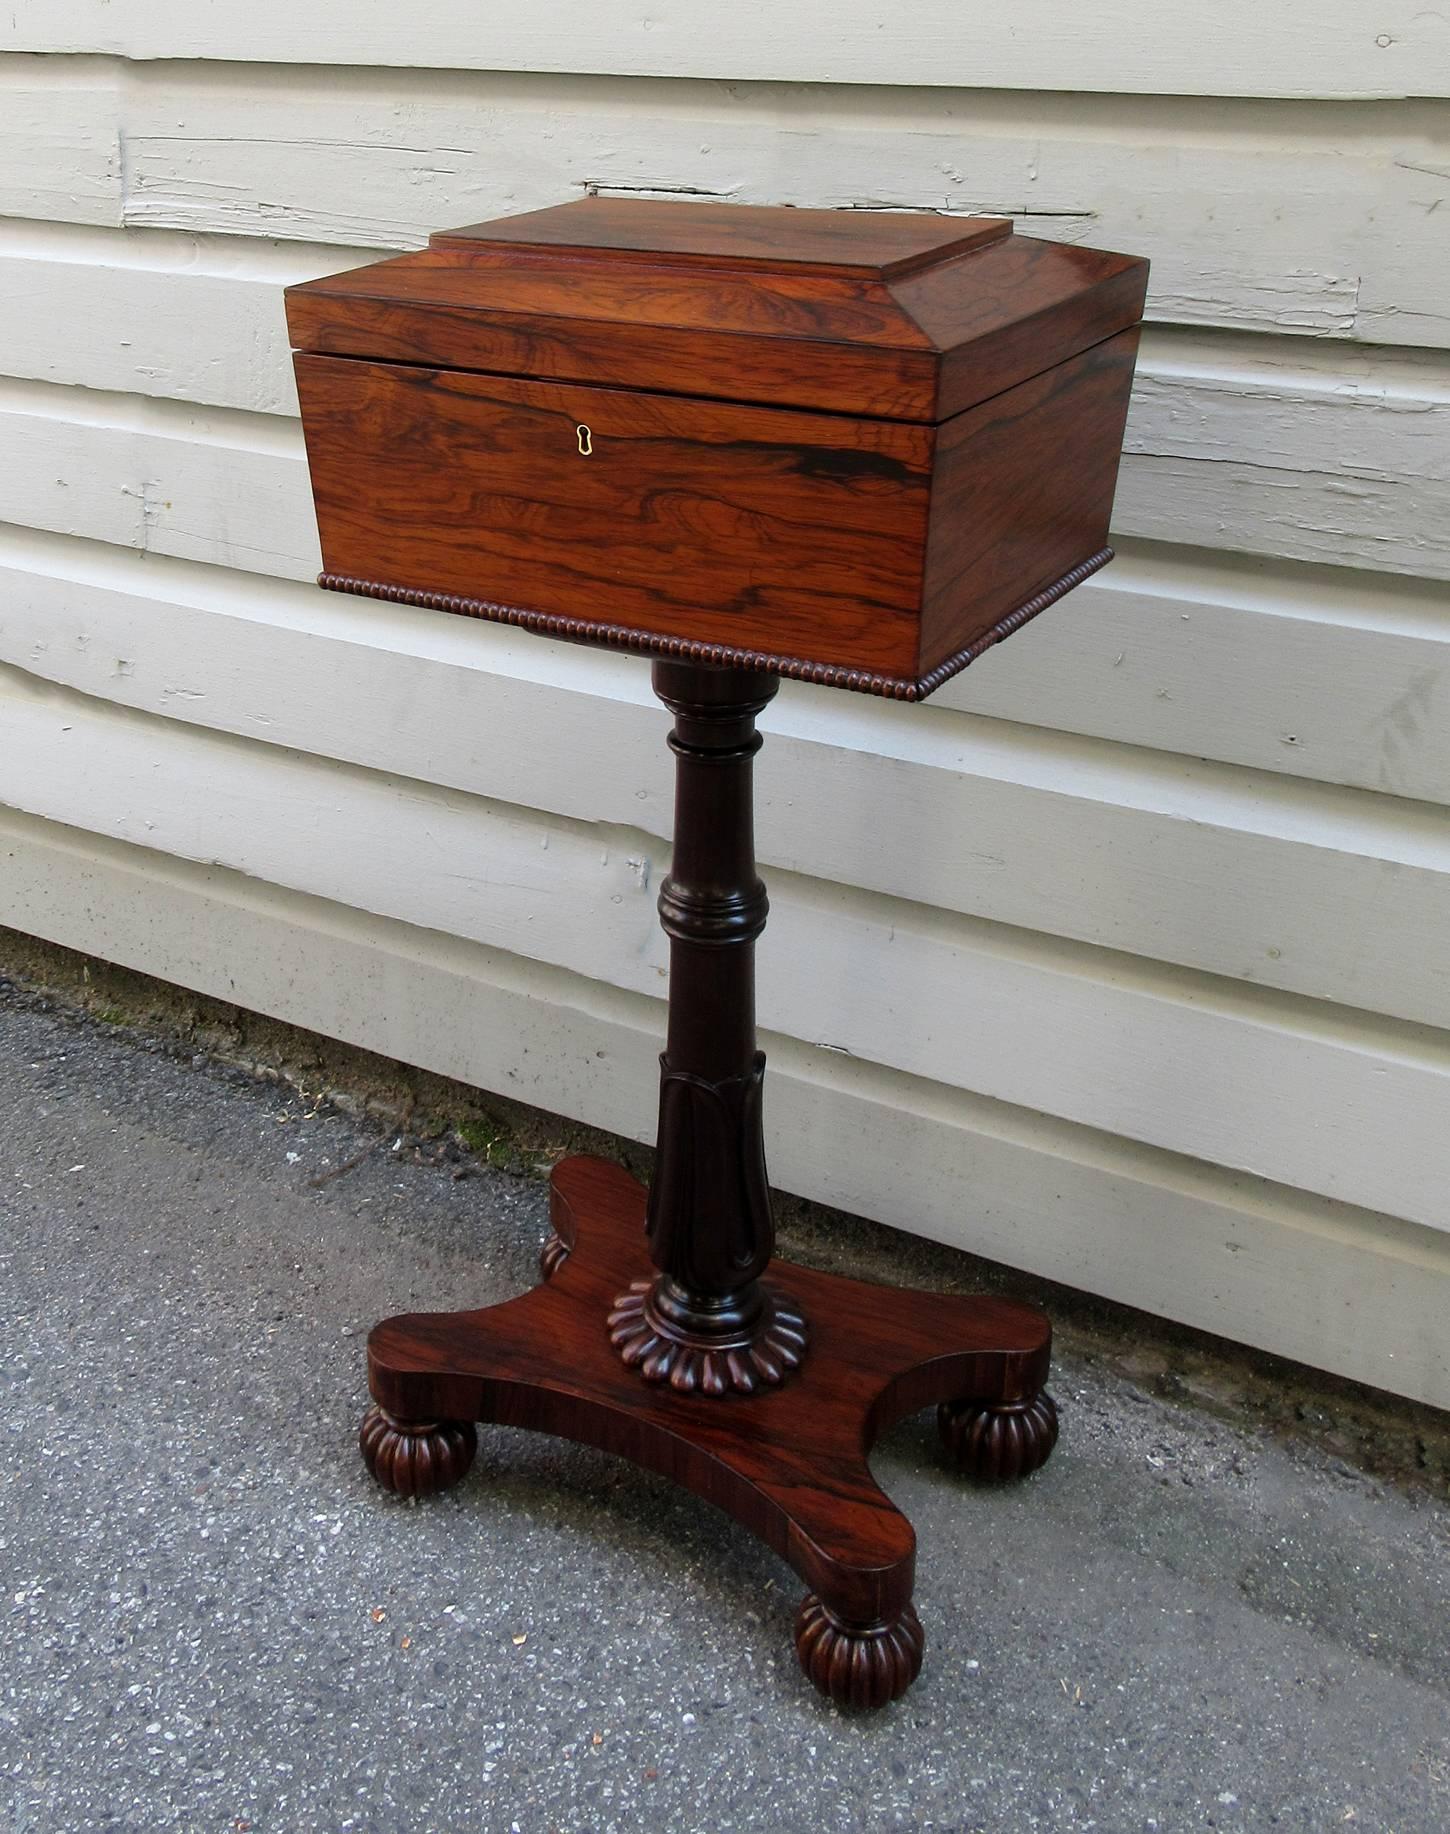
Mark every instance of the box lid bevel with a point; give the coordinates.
(893, 315)
(839, 244)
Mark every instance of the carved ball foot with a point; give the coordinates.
(999, 1441)
(553, 1254)
(416, 1458)
(855, 1667)
(645, 1343)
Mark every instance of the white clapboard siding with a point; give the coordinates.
(1350, 682)
(1349, 258)
(1360, 1293)
(1123, 959)
(1340, 456)
(1336, 247)
(1319, 1098)
(1307, 48)
(181, 318)
(205, 484)
(1234, 442)
(1193, 864)
(1318, 672)
(60, 140)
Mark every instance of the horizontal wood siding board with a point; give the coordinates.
(1298, 48)
(1343, 464)
(155, 315)
(1350, 684)
(1350, 259)
(217, 486)
(1320, 1099)
(1209, 868)
(1227, 1253)
(379, 159)
(60, 141)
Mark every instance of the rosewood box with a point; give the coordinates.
(852, 447)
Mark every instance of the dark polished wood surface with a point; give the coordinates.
(790, 1463)
(754, 526)
(664, 1330)
(887, 245)
(874, 546)
(708, 1321)
(1027, 308)
(785, 311)
(1022, 491)
(910, 687)
(854, 448)
(577, 421)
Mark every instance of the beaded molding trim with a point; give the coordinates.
(687, 649)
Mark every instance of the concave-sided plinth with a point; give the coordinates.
(789, 1462)
(665, 1332)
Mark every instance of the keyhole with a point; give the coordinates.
(586, 440)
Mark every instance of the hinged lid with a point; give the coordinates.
(907, 316)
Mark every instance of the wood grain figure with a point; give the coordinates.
(855, 449)
(788, 1462)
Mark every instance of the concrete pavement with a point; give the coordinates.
(213, 1621)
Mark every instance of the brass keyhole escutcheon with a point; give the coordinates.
(586, 440)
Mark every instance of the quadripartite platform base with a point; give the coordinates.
(788, 1462)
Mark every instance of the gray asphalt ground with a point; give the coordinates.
(213, 1621)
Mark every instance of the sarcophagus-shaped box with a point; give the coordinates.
(852, 447)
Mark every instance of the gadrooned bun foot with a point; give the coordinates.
(416, 1458)
(999, 1441)
(864, 1668)
(789, 1464)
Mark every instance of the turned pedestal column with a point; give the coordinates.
(707, 1321)
(756, 1384)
